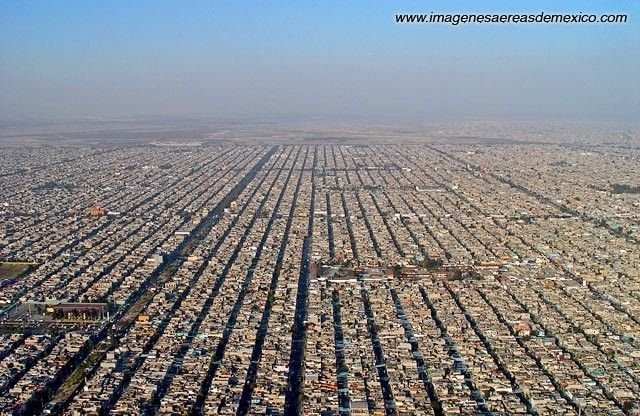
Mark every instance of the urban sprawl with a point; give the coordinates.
(320, 279)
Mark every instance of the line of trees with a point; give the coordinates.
(621, 188)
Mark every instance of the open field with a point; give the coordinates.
(9, 270)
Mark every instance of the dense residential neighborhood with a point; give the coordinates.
(335, 279)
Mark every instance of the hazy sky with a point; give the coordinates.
(348, 59)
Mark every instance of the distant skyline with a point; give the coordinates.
(334, 60)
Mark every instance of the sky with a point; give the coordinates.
(329, 59)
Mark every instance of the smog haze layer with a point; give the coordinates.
(335, 61)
